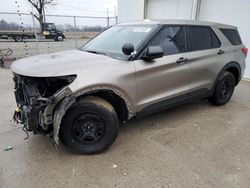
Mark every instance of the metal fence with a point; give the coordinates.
(77, 30)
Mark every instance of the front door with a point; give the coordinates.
(167, 77)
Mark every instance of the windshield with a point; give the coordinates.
(110, 42)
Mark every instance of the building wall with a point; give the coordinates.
(169, 9)
(130, 10)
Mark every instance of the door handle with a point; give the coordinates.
(220, 52)
(181, 60)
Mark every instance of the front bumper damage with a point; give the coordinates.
(42, 102)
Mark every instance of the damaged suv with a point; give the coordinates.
(129, 70)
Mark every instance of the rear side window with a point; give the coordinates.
(172, 39)
(202, 38)
(232, 35)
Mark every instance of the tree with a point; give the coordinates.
(39, 6)
(8, 26)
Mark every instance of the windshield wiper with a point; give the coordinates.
(95, 52)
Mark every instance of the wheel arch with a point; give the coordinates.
(232, 67)
(120, 101)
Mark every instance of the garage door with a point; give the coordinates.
(169, 9)
(230, 12)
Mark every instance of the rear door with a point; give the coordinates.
(166, 77)
(205, 57)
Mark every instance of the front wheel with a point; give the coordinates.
(90, 126)
(224, 89)
(59, 38)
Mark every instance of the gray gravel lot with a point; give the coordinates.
(194, 145)
(29, 48)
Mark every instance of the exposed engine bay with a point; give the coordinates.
(37, 98)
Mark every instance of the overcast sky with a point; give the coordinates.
(63, 7)
(69, 7)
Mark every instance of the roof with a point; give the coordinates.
(178, 22)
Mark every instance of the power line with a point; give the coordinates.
(55, 15)
(89, 10)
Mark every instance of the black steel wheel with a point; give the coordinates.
(90, 126)
(224, 89)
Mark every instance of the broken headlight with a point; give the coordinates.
(48, 86)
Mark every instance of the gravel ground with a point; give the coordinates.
(29, 48)
(194, 145)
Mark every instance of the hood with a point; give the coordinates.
(59, 31)
(59, 64)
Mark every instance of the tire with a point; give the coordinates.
(18, 39)
(90, 126)
(59, 38)
(224, 89)
(1, 63)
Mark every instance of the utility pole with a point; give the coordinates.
(44, 19)
(145, 13)
(75, 30)
(34, 30)
(116, 20)
(107, 17)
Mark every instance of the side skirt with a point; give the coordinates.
(176, 101)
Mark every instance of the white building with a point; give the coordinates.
(234, 12)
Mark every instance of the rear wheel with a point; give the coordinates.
(224, 89)
(18, 39)
(90, 126)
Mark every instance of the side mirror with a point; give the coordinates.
(128, 48)
(153, 52)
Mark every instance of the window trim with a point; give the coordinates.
(143, 45)
(190, 40)
(238, 33)
(142, 51)
(216, 36)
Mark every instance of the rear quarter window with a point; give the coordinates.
(232, 35)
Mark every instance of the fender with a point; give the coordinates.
(131, 108)
(227, 66)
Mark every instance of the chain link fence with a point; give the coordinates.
(77, 30)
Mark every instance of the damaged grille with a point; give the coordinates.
(33, 94)
(26, 90)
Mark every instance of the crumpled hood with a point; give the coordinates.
(59, 64)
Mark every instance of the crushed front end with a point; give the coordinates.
(37, 98)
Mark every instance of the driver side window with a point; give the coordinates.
(50, 27)
(172, 40)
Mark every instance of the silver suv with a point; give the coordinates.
(130, 70)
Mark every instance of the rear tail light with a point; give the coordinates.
(245, 51)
